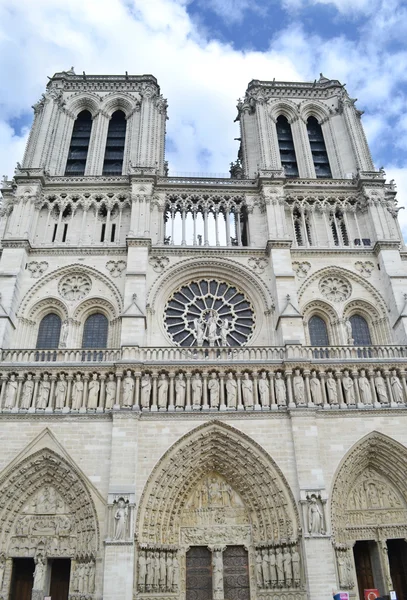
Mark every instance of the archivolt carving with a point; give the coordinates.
(287, 108)
(46, 305)
(83, 101)
(315, 109)
(370, 491)
(44, 501)
(120, 101)
(248, 476)
(92, 305)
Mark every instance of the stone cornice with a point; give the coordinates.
(16, 243)
(386, 245)
(138, 242)
(212, 251)
(76, 250)
(315, 251)
(278, 244)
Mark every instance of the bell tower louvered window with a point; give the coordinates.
(286, 147)
(116, 137)
(78, 150)
(318, 149)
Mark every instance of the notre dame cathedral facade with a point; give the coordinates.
(203, 380)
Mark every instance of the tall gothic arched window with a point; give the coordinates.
(360, 331)
(78, 150)
(95, 331)
(116, 137)
(318, 149)
(318, 331)
(49, 332)
(286, 147)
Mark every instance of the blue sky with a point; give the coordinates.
(204, 53)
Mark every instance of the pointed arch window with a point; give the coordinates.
(318, 331)
(116, 137)
(360, 331)
(49, 332)
(318, 149)
(78, 150)
(95, 331)
(286, 147)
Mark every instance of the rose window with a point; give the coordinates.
(335, 289)
(209, 313)
(75, 287)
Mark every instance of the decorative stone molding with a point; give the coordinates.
(74, 287)
(257, 264)
(159, 263)
(365, 268)
(301, 268)
(335, 289)
(115, 267)
(37, 268)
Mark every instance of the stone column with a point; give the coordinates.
(384, 562)
(403, 381)
(154, 406)
(308, 389)
(20, 380)
(355, 376)
(67, 408)
(171, 401)
(136, 405)
(217, 572)
(323, 389)
(389, 390)
(34, 398)
(85, 393)
(272, 392)
(188, 395)
(256, 391)
(338, 376)
(101, 404)
(375, 401)
(119, 376)
(239, 392)
(205, 405)
(291, 403)
(222, 391)
(4, 379)
(51, 394)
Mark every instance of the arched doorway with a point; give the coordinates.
(369, 517)
(218, 516)
(49, 534)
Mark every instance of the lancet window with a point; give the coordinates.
(360, 331)
(95, 331)
(78, 150)
(302, 227)
(286, 147)
(206, 221)
(318, 331)
(49, 332)
(116, 137)
(318, 149)
(339, 230)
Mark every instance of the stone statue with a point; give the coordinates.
(162, 387)
(315, 388)
(224, 329)
(145, 391)
(43, 393)
(128, 387)
(77, 392)
(64, 333)
(156, 582)
(196, 390)
(199, 331)
(150, 571)
(211, 328)
(39, 574)
(381, 390)
(93, 393)
(266, 568)
(175, 568)
(163, 572)
(315, 519)
(299, 390)
(60, 392)
(332, 389)
(247, 391)
(264, 389)
(213, 387)
(295, 560)
(345, 570)
(349, 388)
(273, 569)
(231, 391)
(180, 388)
(28, 389)
(110, 392)
(120, 520)
(281, 392)
(288, 572)
(11, 392)
(217, 571)
(259, 569)
(364, 388)
(396, 388)
(2, 568)
(349, 334)
(280, 567)
(170, 573)
(141, 571)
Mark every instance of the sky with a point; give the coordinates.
(203, 54)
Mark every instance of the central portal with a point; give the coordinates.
(199, 574)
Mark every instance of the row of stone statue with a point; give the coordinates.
(158, 571)
(278, 567)
(83, 578)
(195, 391)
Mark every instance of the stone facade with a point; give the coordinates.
(189, 415)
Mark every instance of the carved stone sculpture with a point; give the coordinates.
(27, 394)
(43, 393)
(280, 567)
(93, 393)
(296, 565)
(196, 385)
(39, 574)
(247, 391)
(224, 329)
(397, 388)
(381, 390)
(163, 572)
(213, 387)
(273, 568)
(175, 568)
(60, 392)
(156, 568)
(315, 388)
(288, 571)
(128, 388)
(332, 389)
(315, 518)
(364, 388)
(349, 388)
(231, 391)
(344, 569)
(170, 572)
(217, 572)
(281, 392)
(266, 568)
(259, 569)
(145, 391)
(2, 568)
(110, 392)
(142, 571)
(299, 390)
(180, 388)
(349, 334)
(150, 571)
(64, 333)
(77, 392)
(120, 516)
(11, 392)
(199, 331)
(264, 389)
(162, 387)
